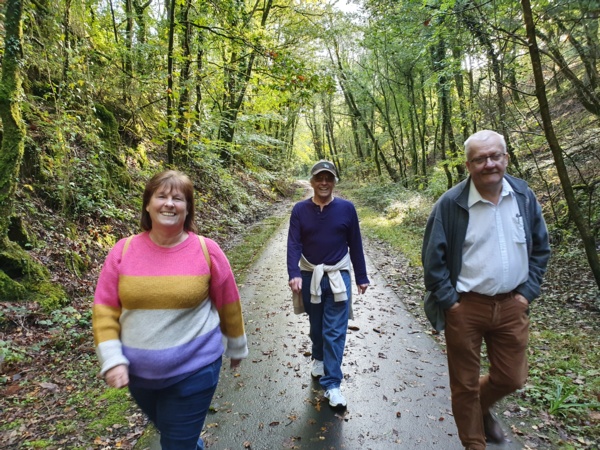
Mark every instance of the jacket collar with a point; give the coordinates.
(461, 190)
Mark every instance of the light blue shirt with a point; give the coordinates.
(495, 257)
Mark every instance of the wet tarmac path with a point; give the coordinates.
(396, 380)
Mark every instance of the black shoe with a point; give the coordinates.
(493, 430)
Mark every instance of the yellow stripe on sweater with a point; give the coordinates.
(231, 323)
(164, 292)
(105, 323)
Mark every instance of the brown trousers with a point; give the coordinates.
(503, 322)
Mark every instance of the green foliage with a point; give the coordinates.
(564, 379)
(561, 398)
(49, 295)
(437, 182)
(11, 289)
(10, 354)
(110, 126)
(564, 400)
(23, 278)
(392, 213)
(68, 327)
(93, 196)
(40, 443)
(114, 404)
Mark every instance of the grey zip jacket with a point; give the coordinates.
(444, 237)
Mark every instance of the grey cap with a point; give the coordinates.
(323, 166)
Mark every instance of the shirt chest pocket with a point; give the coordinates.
(518, 230)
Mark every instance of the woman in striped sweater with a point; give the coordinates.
(164, 300)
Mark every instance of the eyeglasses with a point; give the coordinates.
(319, 178)
(481, 160)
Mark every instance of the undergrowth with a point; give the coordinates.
(393, 214)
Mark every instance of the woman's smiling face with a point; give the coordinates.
(168, 208)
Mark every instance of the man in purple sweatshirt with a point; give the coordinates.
(324, 242)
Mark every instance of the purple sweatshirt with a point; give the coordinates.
(324, 237)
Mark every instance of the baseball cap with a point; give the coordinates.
(323, 166)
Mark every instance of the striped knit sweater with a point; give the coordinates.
(163, 311)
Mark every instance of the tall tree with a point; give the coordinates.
(13, 137)
(238, 69)
(540, 91)
(360, 117)
(577, 21)
(18, 269)
(475, 25)
(171, 83)
(183, 109)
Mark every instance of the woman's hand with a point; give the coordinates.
(118, 376)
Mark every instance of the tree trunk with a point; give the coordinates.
(355, 112)
(66, 39)
(21, 277)
(328, 115)
(314, 126)
(13, 138)
(540, 92)
(236, 77)
(170, 75)
(444, 98)
(474, 25)
(183, 109)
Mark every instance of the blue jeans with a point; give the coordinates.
(328, 327)
(179, 411)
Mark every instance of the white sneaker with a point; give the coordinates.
(317, 369)
(335, 397)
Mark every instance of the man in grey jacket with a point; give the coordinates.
(484, 254)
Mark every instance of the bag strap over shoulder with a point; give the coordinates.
(126, 246)
(205, 250)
